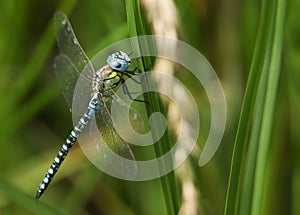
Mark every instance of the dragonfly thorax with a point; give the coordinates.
(105, 80)
(112, 81)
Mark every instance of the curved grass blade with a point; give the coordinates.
(137, 26)
(261, 63)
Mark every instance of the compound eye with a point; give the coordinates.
(116, 64)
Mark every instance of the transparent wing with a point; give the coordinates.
(110, 136)
(66, 75)
(109, 143)
(131, 118)
(73, 54)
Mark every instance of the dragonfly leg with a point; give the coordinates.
(126, 92)
(129, 74)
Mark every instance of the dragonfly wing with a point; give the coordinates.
(66, 73)
(111, 137)
(110, 142)
(69, 45)
(135, 118)
(73, 56)
(75, 93)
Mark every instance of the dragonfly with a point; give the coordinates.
(68, 66)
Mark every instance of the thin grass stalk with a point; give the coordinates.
(267, 120)
(137, 26)
(241, 141)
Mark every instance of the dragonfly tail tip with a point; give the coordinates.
(38, 195)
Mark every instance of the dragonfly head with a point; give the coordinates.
(118, 61)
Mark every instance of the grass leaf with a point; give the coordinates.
(138, 26)
(260, 93)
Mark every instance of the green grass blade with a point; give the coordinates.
(119, 33)
(267, 120)
(247, 188)
(29, 74)
(26, 201)
(292, 68)
(137, 26)
(246, 117)
(25, 80)
(29, 110)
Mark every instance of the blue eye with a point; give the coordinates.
(118, 61)
(117, 65)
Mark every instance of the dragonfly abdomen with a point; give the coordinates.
(93, 107)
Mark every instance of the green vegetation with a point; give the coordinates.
(255, 50)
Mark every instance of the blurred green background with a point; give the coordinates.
(34, 119)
